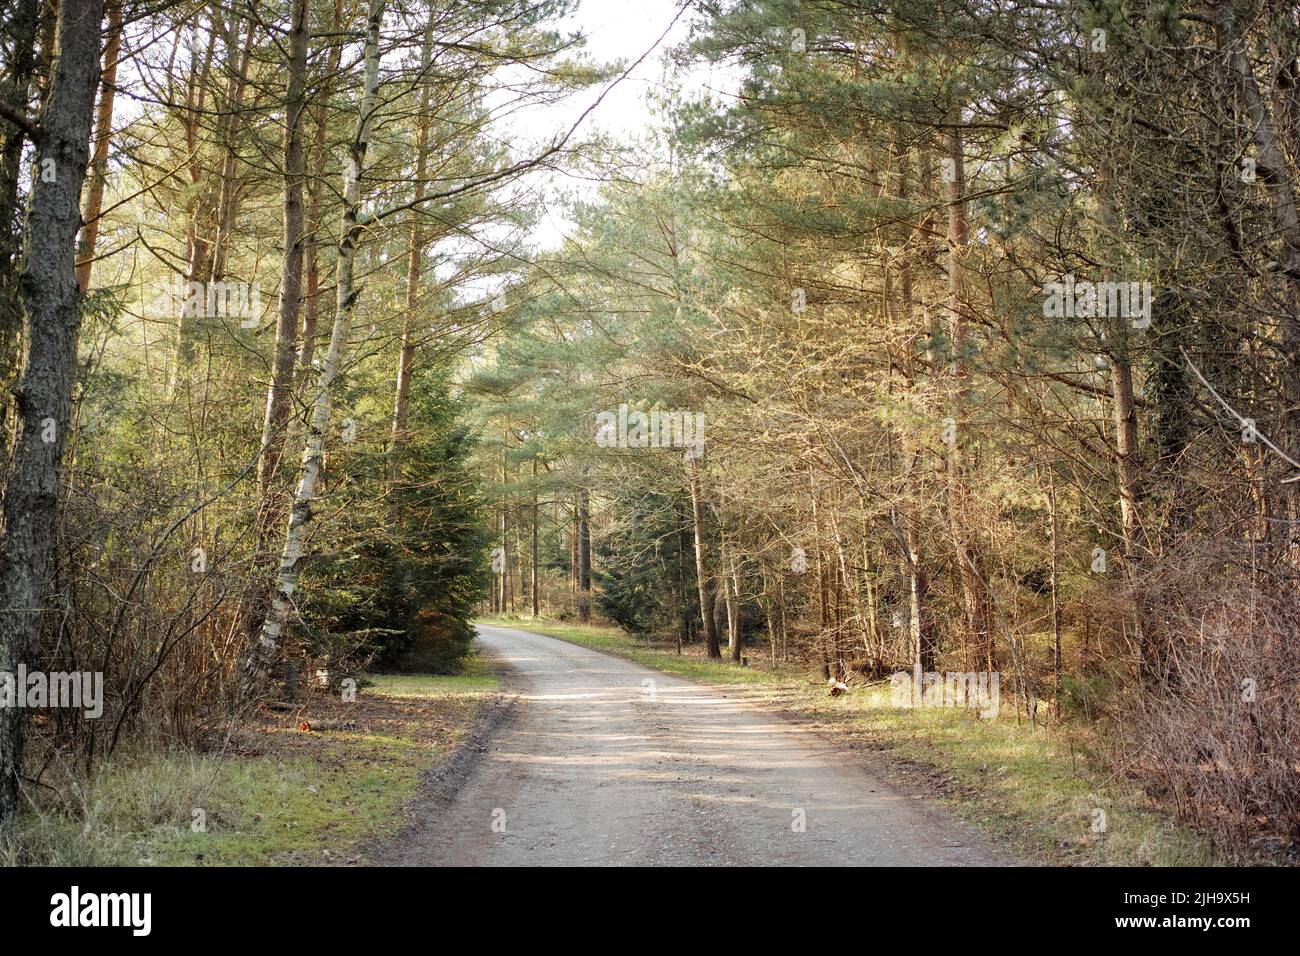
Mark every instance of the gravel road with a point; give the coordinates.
(609, 763)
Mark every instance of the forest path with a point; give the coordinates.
(611, 763)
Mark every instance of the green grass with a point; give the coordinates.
(309, 799)
(1038, 789)
(478, 676)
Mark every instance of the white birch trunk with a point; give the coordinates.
(267, 645)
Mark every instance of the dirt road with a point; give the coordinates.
(610, 763)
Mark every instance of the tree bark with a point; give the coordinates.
(918, 604)
(922, 642)
(21, 29)
(280, 393)
(1126, 442)
(975, 597)
(573, 551)
(536, 575)
(266, 647)
(684, 615)
(51, 302)
(228, 128)
(1056, 595)
(414, 263)
(103, 136)
(701, 574)
(734, 614)
(278, 396)
(210, 226)
(314, 198)
(720, 619)
(729, 583)
(584, 554)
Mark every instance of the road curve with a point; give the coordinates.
(609, 763)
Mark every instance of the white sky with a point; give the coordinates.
(615, 30)
(625, 29)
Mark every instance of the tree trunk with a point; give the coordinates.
(701, 574)
(512, 559)
(228, 128)
(584, 554)
(734, 614)
(208, 225)
(684, 615)
(573, 551)
(536, 576)
(414, 263)
(51, 302)
(196, 92)
(871, 628)
(314, 185)
(1056, 595)
(503, 514)
(720, 618)
(918, 605)
(16, 88)
(280, 393)
(497, 589)
(823, 605)
(769, 617)
(103, 134)
(922, 641)
(729, 582)
(975, 597)
(1126, 443)
(264, 649)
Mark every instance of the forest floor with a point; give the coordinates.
(276, 794)
(1044, 793)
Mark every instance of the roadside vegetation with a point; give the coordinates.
(274, 794)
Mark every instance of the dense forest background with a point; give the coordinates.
(970, 330)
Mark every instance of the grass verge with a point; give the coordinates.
(1047, 793)
(274, 795)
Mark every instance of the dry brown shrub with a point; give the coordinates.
(1211, 728)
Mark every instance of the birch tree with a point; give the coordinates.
(267, 645)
